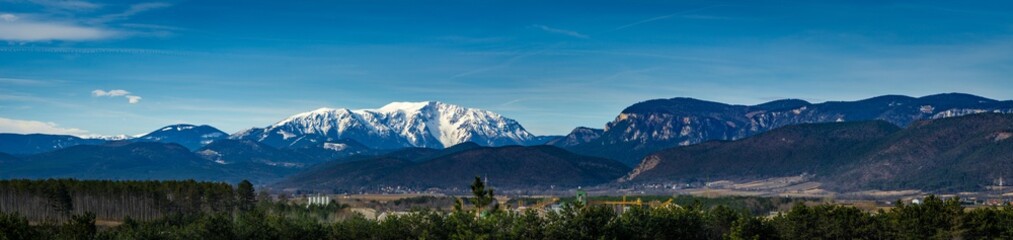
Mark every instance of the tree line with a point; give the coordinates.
(58, 199)
(481, 218)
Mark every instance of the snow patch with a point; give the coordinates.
(1002, 136)
(286, 134)
(335, 146)
(798, 111)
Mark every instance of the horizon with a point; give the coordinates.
(155, 129)
(117, 67)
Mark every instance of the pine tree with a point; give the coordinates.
(246, 196)
(482, 197)
(60, 199)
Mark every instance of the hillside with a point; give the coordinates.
(131, 161)
(229, 151)
(950, 154)
(24, 144)
(143, 161)
(964, 153)
(505, 167)
(4, 158)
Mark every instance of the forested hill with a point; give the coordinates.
(518, 167)
(951, 154)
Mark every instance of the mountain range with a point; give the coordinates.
(439, 145)
(657, 124)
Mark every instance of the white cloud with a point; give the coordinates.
(41, 27)
(110, 93)
(7, 17)
(8, 125)
(132, 99)
(15, 28)
(561, 31)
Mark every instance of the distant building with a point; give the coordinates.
(581, 197)
(318, 200)
(916, 201)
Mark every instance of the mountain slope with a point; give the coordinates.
(243, 151)
(23, 144)
(396, 125)
(512, 167)
(505, 167)
(961, 153)
(579, 135)
(4, 158)
(190, 136)
(151, 160)
(131, 161)
(792, 150)
(952, 154)
(653, 125)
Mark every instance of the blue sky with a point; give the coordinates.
(550, 65)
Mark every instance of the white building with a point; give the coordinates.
(319, 200)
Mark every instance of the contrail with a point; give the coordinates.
(664, 17)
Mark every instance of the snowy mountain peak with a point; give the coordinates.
(408, 106)
(190, 136)
(399, 124)
(179, 127)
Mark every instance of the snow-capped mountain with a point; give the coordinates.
(190, 136)
(120, 137)
(396, 125)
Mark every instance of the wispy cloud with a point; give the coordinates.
(131, 11)
(70, 26)
(560, 31)
(132, 99)
(22, 29)
(23, 82)
(110, 93)
(8, 125)
(73, 5)
(502, 65)
(61, 50)
(664, 17)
